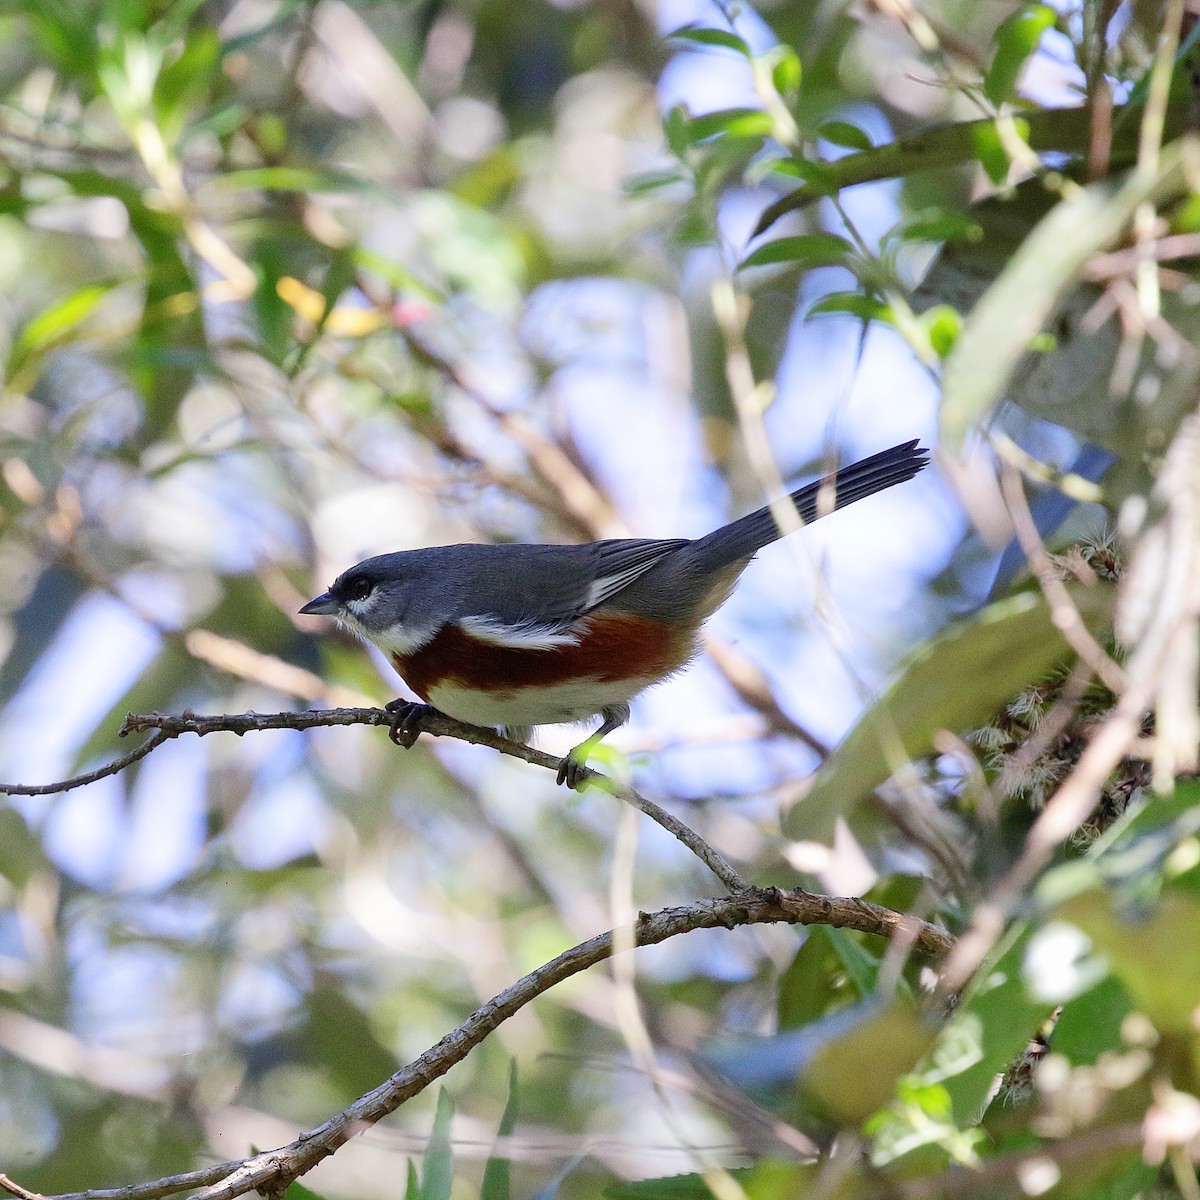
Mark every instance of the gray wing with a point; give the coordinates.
(621, 562)
(532, 596)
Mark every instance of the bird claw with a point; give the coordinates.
(407, 715)
(572, 771)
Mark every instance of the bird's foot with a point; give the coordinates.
(573, 770)
(407, 715)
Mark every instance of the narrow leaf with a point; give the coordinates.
(52, 324)
(496, 1172)
(730, 122)
(856, 304)
(787, 72)
(650, 181)
(938, 226)
(842, 133)
(957, 681)
(675, 129)
(1016, 39)
(438, 1164)
(811, 249)
(700, 35)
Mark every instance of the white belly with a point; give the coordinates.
(557, 704)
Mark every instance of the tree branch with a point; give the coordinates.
(76, 781)
(1061, 129)
(271, 1171)
(168, 726)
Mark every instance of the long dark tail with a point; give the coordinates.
(855, 482)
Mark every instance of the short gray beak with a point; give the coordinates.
(323, 606)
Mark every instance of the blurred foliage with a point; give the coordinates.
(286, 283)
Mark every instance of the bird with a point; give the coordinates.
(517, 635)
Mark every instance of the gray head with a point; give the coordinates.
(386, 600)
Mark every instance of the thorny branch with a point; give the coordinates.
(271, 1171)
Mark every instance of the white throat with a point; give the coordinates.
(397, 639)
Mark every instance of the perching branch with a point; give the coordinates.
(168, 726)
(270, 1172)
(438, 725)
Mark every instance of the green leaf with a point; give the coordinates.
(856, 304)
(670, 1187)
(1016, 39)
(854, 1075)
(437, 1167)
(787, 72)
(1090, 1025)
(807, 988)
(1149, 953)
(651, 181)
(297, 1191)
(1139, 903)
(729, 122)
(818, 176)
(990, 150)
(842, 133)
(496, 1172)
(990, 1029)
(956, 681)
(938, 1106)
(700, 35)
(1036, 279)
(54, 325)
(184, 84)
(21, 854)
(298, 179)
(675, 130)
(787, 1179)
(943, 325)
(860, 964)
(1065, 130)
(809, 249)
(938, 226)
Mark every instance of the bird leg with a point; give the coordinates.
(407, 716)
(574, 764)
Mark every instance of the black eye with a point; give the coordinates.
(359, 587)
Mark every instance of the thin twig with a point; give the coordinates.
(1098, 99)
(754, 690)
(1106, 266)
(437, 725)
(77, 781)
(1067, 809)
(270, 1171)
(1047, 730)
(154, 1190)
(581, 498)
(1076, 487)
(1063, 611)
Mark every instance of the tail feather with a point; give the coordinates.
(743, 537)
